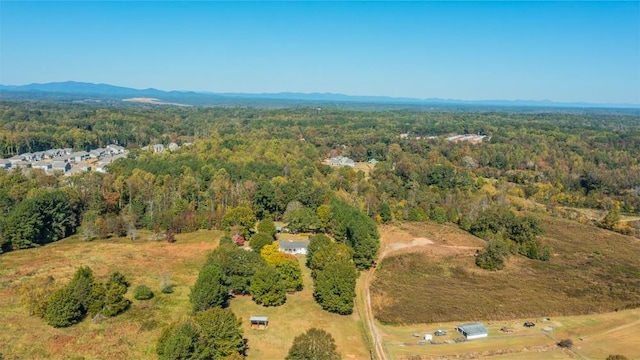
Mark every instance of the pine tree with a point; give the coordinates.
(63, 309)
(209, 290)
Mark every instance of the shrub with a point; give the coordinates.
(566, 343)
(166, 285)
(142, 292)
(63, 309)
(114, 300)
(80, 286)
(617, 357)
(35, 294)
(118, 278)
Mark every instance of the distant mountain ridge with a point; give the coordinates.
(72, 90)
(74, 87)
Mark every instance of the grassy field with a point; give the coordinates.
(591, 271)
(298, 314)
(421, 289)
(594, 336)
(133, 335)
(427, 282)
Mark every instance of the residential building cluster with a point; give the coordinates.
(66, 160)
(341, 161)
(160, 148)
(474, 139)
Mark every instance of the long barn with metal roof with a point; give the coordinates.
(473, 331)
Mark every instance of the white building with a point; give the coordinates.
(293, 247)
(341, 161)
(473, 331)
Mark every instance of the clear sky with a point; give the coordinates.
(560, 51)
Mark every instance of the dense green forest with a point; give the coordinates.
(269, 162)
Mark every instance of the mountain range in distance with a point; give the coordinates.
(71, 91)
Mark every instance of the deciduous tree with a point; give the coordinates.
(315, 344)
(267, 287)
(334, 287)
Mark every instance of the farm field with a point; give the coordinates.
(428, 281)
(591, 271)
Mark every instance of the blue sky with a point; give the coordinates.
(561, 51)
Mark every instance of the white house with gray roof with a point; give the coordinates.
(293, 247)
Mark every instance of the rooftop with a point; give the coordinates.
(290, 244)
(473, 329)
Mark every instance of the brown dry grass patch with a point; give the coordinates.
(591, 271)
(132, 335)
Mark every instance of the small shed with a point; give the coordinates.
(428, 337)
(473, 331)
(259, 322)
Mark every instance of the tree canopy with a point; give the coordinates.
(315, 344)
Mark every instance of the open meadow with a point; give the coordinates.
(428, 281)
(134, 334)
(594, 337)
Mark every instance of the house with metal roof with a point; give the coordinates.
(473, 331)
(293, 247)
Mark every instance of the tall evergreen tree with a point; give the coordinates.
(209, 290)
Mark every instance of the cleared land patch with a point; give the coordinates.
(591, 271)
(297, 315)
(594, 336)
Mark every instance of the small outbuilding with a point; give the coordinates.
(259, 322)
(473, 331)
